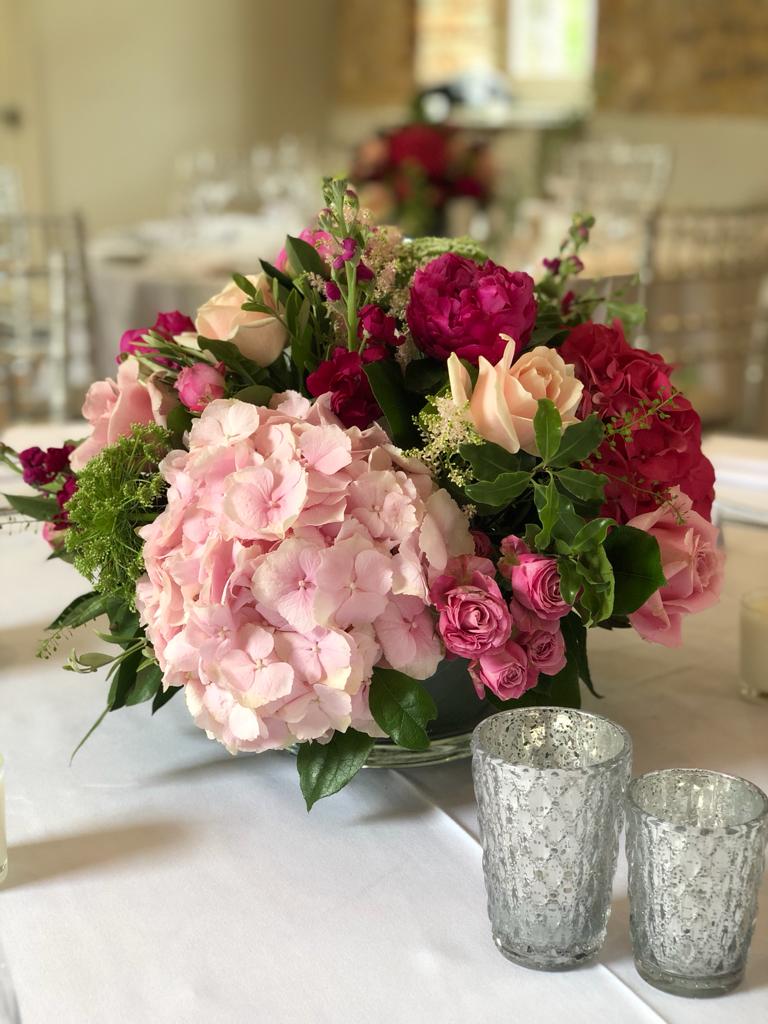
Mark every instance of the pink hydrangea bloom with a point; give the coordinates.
(293, 556)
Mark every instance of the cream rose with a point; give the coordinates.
(505, 398)
(259, 336)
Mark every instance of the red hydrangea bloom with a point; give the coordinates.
(459, 306)
(351, 397)
(664, 450)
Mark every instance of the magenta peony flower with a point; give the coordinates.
(198, 385)
(458, 306)
(535, 584)
(474, 617)
(505, 671)
(344, 378)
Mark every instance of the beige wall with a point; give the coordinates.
(124, 87)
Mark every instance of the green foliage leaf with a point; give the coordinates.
(163, 696)
(570, 580)
(83, 609)
(547, 426)
(179, 421)
(591, 534)
(401, 707)
(579, 441)
(575, 635)
(124, 681)
(325, 768)
(489, 460)
(562, 689)
(501, 491)
(304, 257)
(425, 376)
(146, 686)
(255, 394)
(388, 388)
(245, 285)
(595, 602)
(583, 484)
(40, 508)
(547, 505)
(228, 353)
(276, 275)
(636, 561)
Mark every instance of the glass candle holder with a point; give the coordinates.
(695, 847)
(754, 645)
(550, 785)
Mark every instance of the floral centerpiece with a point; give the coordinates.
(373, 460)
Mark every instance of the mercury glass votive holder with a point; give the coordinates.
(695, 846)
(550, 788)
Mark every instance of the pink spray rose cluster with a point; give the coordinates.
(459, 306)
(508, 643)
(294, 555)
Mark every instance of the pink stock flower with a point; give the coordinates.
(342, 376)
(292, 557)
(457, 306)
(692, 565)
(113, 407)
(474, 617)
(504, 671)
(198, 385)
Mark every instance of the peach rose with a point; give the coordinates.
(505, 398)
(259, 336)
(112, 407)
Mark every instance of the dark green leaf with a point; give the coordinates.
(579, 441)
(255, 394)
(245, 285)
(388, 388)
(570, 580)
(489, 460)
(548, 428)
(547, 505)
(229, 354)
(83, 609)
(595, 602)
(39, 508)
(95, 659)
(123, 681)
(425, 376)
(276, 275)
(637, 568)
(575, 635)
(163, 696)
(148, 682)
(179, 420)
(325, 768)
(401, 707)
(591, 534)
(583, 484)
(501, 491)
(304, 257)
(563, 688)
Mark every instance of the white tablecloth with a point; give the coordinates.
(160, 880)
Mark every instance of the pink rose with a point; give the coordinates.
(505, 672)
(112, 407)
(474, 617)
(535, 583)
(504, 400)
(457, 306)
(258, 336)
(692, 564)
(198, 385)
(545, 649)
